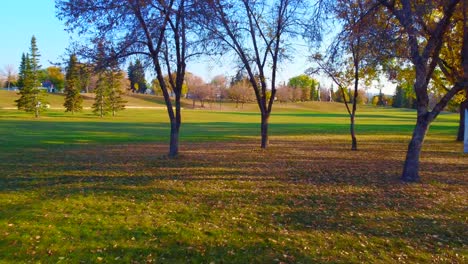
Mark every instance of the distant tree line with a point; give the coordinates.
(34, 83)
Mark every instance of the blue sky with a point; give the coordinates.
(21, 19)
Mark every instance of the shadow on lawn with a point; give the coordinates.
(227, 201)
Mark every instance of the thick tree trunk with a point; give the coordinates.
(353, 133)
(461, 126)
(411, 167)
(264, 130)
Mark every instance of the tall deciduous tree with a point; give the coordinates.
(258, 33)
(156, 30)
(452, 65)
(73, 99)
(56, 77)
(429, 21)
(354, 50)
(9, 74)
(306, 84)
(241, 92)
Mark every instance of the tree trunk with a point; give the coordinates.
(174, 142)
(175, 128)
(411, 167)
(353, 133)
(264, 130)
(461, 126)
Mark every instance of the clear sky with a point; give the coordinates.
(21, 19)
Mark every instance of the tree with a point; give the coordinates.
(136, 75)
(32, 99)
(10, 75)
(219, 88)
(283, 94)
(24, 64)
(101, 102)
(34, 60)
(87, 77)
(156, 30)
(116, 101)
(306, 84)
(353, 50)
(256, 31)
(73, 99)
(197, 89)
(241, 92)
(451, 65)
(418, 23)
(56, 77)
(202, 93)
(399, 99)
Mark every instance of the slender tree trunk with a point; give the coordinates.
(411, 167)
(353, 132)
(264, 130)
(36, 108)
(175, 128)
(461, 126)
(355, 96)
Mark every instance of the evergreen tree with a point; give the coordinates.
(136, 75)
(116, 102)
(73, 99)
(131, 76)
(34, 57)
(22, 70)
(399, 98)
(32, 98)
(101, 102)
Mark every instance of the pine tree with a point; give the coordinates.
(399, 98)
(32, 98)
(73, 99)
(136, 74)
(116, 102)
(34, 57)
(22, 70)
(101, 102)
(131, 76)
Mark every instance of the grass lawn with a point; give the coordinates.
(78, 188)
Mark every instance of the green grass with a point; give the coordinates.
(78, 188)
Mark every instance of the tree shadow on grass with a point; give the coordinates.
(224, 201)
